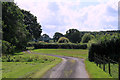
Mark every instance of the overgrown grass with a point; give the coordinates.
(22, 68)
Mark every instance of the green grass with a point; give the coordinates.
(93, 70)
(114, 69)
(33, 69)
(80, 53)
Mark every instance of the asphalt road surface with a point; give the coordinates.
(70, 67)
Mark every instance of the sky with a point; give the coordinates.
(62, 15)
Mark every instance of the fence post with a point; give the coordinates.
(100, 62)
(104, 63)
(119, 68)
(97, 60)
(109, 65)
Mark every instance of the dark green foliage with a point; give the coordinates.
(108, 45)
(7, 47)
(19, 26)
(14, 30)
(63, 40)
(45, 38)
(87, 37)
(60, 46)
(73, 35)
(32, 26)
(57, 35)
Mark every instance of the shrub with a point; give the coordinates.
(7, 48)
(86, 37)
(108, 45)
(63, 40)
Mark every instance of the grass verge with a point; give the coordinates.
(26, 65)
(94, 71)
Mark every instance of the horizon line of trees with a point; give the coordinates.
(75, 36)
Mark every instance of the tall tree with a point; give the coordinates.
(73, 35)
(14, 30)
(45, 38)
(57, 35)
(33, 26)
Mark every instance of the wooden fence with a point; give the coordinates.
(108, 65)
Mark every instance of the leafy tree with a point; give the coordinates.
(73, 35)
(14, 30)
(33, 27)
(87, 37)
(63, 40)
(45, 38)
(57, 35)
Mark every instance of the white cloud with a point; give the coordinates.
(60, 15)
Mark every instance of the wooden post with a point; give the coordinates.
(119, 69)
(100, 62)
(103, 63)
(109, 65)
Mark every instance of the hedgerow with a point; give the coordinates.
(58, 46)
(108, 45)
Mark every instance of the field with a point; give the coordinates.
(23, 67)
(80, 53)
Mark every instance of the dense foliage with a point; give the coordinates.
(108, 46)
(56, 36)
(63, 40)
(7, 47)
(45, 38)
(73, 35)
(87, 37)
(19, 26)
(32, 26)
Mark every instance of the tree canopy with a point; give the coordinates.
(57, 35)
(19, 26)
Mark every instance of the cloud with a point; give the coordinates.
(59, 16)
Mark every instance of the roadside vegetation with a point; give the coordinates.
(26, 65)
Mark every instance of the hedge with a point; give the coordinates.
(108, 46)
(58, 46)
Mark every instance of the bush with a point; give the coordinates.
(7, 48)
(86, 37)
(63, 40)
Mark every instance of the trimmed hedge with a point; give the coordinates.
(109, 46)
(59, 46)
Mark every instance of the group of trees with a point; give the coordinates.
(19, 26)
(76, 36)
